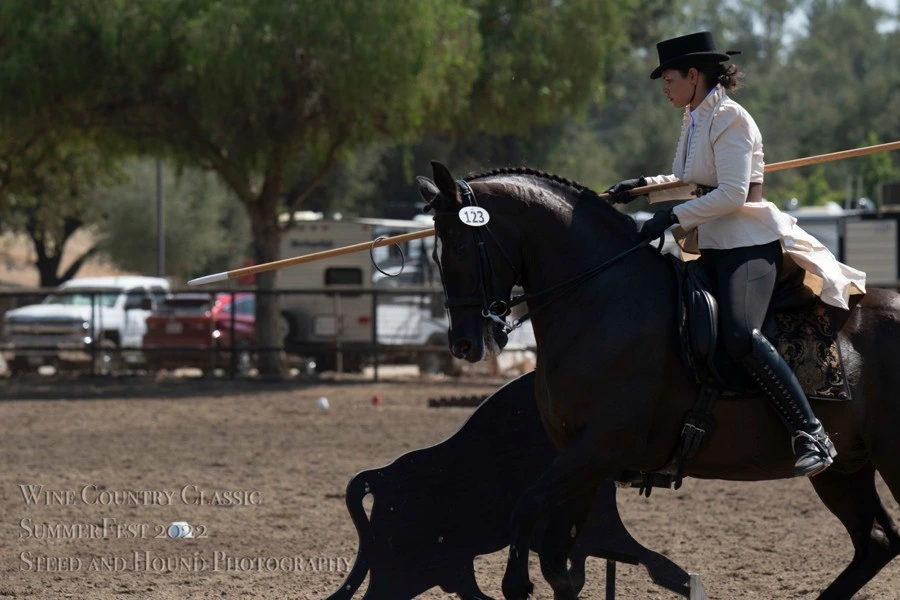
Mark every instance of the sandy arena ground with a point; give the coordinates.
(291, 462)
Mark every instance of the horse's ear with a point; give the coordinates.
(427, 189)
(445, 182)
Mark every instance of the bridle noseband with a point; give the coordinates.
(497, 310)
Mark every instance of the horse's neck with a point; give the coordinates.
(561, 245)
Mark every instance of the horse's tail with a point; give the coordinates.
(357, 490)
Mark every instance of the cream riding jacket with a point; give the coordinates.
(726, 152)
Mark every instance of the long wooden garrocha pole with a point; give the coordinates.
(299, 260)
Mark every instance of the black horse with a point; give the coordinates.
(611, 386)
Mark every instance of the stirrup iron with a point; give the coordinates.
(819, 454)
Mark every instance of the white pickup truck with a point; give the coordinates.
(100, 319)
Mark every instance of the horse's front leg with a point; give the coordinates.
(565, 523)
(592, 457)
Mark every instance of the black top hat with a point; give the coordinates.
(695, 47)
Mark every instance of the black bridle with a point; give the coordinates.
(490, 290)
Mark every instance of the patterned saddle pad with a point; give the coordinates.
(807, 339)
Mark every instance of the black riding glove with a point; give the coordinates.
(658, 223)
(618, 193)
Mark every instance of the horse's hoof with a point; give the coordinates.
(517, 591)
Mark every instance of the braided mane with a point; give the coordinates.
(584, 192)
(534, 173)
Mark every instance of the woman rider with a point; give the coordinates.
(739, 236)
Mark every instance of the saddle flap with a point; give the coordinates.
(702, 316)
(703, 320)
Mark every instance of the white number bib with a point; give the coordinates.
(474, 216)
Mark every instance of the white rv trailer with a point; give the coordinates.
(331, 326)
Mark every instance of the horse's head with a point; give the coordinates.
(478, 257)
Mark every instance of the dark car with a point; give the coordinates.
(195, 330)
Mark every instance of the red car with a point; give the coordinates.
(194, 330)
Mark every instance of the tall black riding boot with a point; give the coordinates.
(811, 444)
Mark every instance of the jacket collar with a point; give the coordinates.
(681, 165)
(705, 107)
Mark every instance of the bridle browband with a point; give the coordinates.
(498, 310)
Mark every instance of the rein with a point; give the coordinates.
(574, 281)
(498, 310)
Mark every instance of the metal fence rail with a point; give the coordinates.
(337, 328)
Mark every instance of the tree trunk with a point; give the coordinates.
(47, 262)
(47, 267)
(266, 243)
(49, 255)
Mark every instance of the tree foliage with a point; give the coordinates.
(825, 89)
(51, 185)
(541, 61)
(204, 226)
(245, 89)
(242, 88)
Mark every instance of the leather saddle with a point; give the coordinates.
(698, 325)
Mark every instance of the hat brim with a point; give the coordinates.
(688, 58)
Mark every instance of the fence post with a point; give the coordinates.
(338, 335)
(94, 339)
(214, 346)
(375, 357)
(232, 362)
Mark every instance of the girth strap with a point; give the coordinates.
(698, 423)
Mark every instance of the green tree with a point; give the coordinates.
(543, 65)
(633, 133)
(846, 90)
(811, 189)
(204, 229)
(876, 169)
(541, 61)
(243, 88)
(829, 91)
(51, 185)
(251, 89)
(810, 92)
